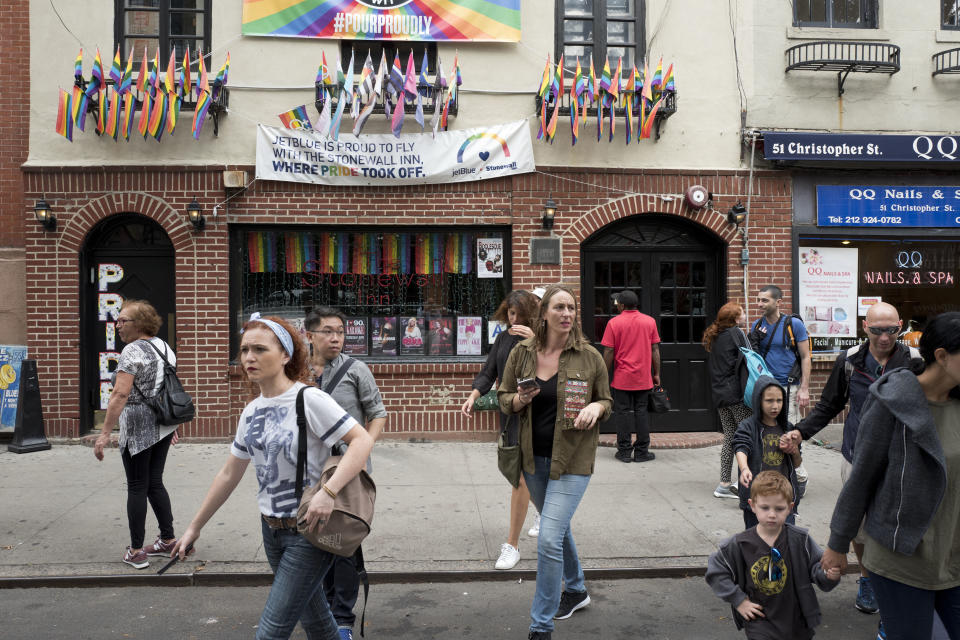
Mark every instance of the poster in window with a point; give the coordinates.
(469, 335)
(11, 361)
(355, 337)
(440, 336)
(383, 335)
(489, 257)
(411, 335)
(828, 295)
(494, 329)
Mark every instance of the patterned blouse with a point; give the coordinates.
(138, 423)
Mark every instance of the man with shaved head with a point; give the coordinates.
(853, 372)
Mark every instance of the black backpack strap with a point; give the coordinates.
(166, 362)
(362, 574)
(769, 342)
(338, 376)
(301, 443)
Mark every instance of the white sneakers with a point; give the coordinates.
(509, 556)
(534, 531)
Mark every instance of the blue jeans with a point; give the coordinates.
(556, 500)
(907, 612)
(296, 593)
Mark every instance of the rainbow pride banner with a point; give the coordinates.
(308, 156)
(474, 20)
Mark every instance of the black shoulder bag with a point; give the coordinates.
(171, 404)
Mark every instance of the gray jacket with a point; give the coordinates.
(899, 474)
(727, 573)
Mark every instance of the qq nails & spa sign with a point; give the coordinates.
(888, 206)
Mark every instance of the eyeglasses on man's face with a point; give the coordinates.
(879, 331)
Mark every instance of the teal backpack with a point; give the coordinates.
(756, 366)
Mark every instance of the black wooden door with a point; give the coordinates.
(675, 273)
(126, 257)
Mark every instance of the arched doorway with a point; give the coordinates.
(124, 257)
(676, 268)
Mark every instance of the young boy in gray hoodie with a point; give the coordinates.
(767, 572)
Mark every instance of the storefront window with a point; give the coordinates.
(416, 293)
(918, 276)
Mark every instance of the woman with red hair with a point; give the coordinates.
(723, 340)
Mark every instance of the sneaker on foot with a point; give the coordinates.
(866, 599)
(136, 560)
(509, 556)
(346, 633)
(881, 634)
(539, 635)
(534, 531)
(623, 456)
(728, 491)
(646, 456)
(160, 548)
(570, 601)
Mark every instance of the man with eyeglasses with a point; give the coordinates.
(853, 372)
(352, 385)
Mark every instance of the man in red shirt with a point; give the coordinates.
(633, 349)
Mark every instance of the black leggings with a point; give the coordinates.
(145, 482)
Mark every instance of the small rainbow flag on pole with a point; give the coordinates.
(65, 116)
(296, 118)
(129, 107)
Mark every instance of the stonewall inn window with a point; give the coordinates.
(164, 24)
(601, 29)
(407, 293)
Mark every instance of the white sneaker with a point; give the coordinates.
(509, 556)
(534, 531)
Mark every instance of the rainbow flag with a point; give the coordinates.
(142, 75)
(262, 251)
(113, 115)
(648, 123)
(466, 253)
(326, 253)
(154, 77)
(668, 83)
(476, 20)
(657, 81)
(126, 81)
(96, 77)
(556, 89)
(220, 81)
(101, 110)
(574, 104)
(542, 92)
(405, 253)
(342, 253)
(390, 252)
(629, 93)
(78, 106)
(451, 253)
(360, 257)
(78, 65)
(116, 70)
(298, 251)
(64, 124)
(296, 118)
(200, 114)
(452, 92)
(183, 86)
(203, 83)
(129, 108)
(158, 116)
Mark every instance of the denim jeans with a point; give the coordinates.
(630, 416)
(556, 500)
(297, 590)
(907, 612)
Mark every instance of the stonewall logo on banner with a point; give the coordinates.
(309, 156)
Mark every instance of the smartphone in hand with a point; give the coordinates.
(527, 384)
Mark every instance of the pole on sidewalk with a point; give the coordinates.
(29, 434)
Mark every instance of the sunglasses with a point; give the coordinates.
(879, 331)
(774, 572)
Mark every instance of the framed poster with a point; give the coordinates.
(355, 337)
(469, 335)
(489, 257)
(828, 294)
(383, 335)
(440, 336)
(411, 335)
(11, 358)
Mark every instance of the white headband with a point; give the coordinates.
(282, 334)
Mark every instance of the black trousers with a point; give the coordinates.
(630, 414)
(145, 483)
(342, 586)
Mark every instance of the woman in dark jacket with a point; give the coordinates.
(518, 311)
(723, 340)
(905, 487)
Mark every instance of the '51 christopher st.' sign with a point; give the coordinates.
(880, 206)
(860, 147)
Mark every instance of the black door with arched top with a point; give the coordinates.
(676, 269)
(127, 256)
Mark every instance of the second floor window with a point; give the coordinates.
(601, 29)
(948, 14)
(167, 24)
(843, 14)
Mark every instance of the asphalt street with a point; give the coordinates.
(660, 609)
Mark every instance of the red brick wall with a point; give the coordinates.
(422, 398)
(15, 123)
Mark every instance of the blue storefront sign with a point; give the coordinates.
(860, 147)
(11, 357)
(883, 206)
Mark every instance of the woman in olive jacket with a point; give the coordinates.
(559, 413)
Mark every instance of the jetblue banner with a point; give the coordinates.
(879, 206)
(862, 147)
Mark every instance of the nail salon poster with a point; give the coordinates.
(11, 357)
(489, 257)
(828, 296)
(355, 337)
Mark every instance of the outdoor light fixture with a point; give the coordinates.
(44, 216)
(737, 214)
(195, 214)
(549, 213)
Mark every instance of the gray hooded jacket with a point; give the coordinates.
(899, 474)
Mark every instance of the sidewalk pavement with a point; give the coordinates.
(442, 514)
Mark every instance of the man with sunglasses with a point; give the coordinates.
(853, 372)
(352, 385)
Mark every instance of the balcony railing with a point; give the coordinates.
(844, 58)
